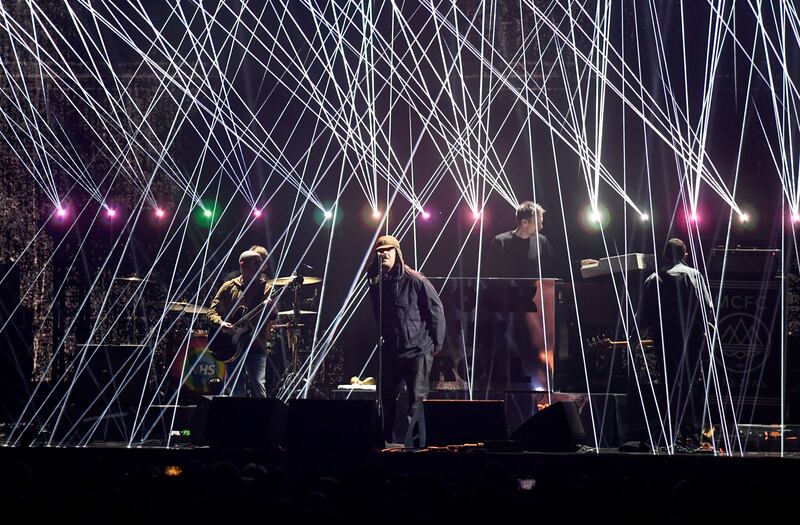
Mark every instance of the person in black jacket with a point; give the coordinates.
(522, 252)
(411, 322)
(677, 311)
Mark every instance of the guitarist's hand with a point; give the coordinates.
(226, 327)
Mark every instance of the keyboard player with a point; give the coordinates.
(523, 251)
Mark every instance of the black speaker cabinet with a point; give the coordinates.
(236, 422)
(557, 428)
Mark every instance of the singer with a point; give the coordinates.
(412, 328)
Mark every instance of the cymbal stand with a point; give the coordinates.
(293, 341)
(293, 333)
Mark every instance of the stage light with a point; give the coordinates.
(425, 215)
(205, 213)
(376, 214)
(476, 214)
(160, 213)
(111, 213)
(645, 217)
(694, 217)
(796, 216)
(257, 213)
(594, 217)
(61, 212)
(743, 218)
(330, 214)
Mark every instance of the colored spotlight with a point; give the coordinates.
(376, 214)
(111, 213)
(61, 212)
(328, 214)
(744, 218)
(694, 217)
(476, 214)
(205, 213)
(796, 216)
(257, 213)
(426, 214)
(160, 213)
(644, 217)
(595, 216)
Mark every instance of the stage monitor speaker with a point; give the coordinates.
(237, 422)
(455, 422)
(332, 428)
(557, 428)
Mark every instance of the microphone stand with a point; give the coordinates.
(379, 388)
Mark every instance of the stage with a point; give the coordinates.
(399, 261)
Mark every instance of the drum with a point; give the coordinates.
(195, 369)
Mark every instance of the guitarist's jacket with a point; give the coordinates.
(232, 294)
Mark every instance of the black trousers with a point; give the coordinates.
(686, 365)
(686, 375)
(415, 372)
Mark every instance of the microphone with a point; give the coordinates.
(374, 274)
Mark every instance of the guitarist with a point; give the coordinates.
(248, 290)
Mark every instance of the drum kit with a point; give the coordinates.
(196, 370)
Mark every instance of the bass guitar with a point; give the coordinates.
(226, 345)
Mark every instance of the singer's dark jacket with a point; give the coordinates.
(412, 317)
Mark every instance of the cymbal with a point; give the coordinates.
(188, 308)
(283, 281)
(301, 312)
(196, 309)
(177, 306)
(133, 279)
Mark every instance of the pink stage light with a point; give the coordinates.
(426, 215)
(160, 213)
(111, 213)
(61, 212)
(476, 214)
(257, 213)
(796, 216)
